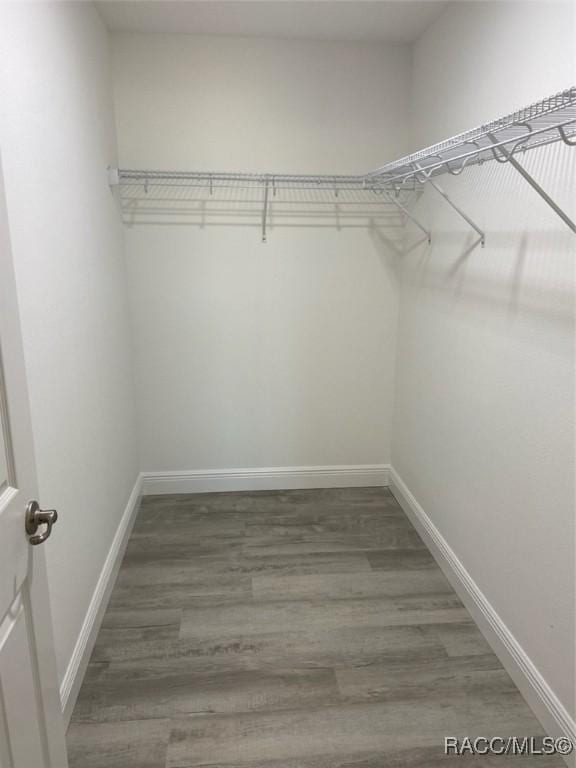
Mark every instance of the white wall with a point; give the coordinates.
(483, 427)
(57, 137)
(252, 355)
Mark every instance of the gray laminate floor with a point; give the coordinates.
(297, 629)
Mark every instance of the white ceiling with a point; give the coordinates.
(393, 21)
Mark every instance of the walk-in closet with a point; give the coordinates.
(287, 376)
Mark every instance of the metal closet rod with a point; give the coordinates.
(550, 120)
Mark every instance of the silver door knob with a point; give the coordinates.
(35, 517)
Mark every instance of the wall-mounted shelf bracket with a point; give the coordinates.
(507, 157)
(458, 210)
(407, 213)
(265, 210)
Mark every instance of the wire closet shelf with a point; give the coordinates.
(550, 120)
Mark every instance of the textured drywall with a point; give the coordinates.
(253, 355)
(57, 137)
(483, 419)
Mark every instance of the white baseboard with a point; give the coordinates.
(554, 717)
(265, 479)
(87, 637)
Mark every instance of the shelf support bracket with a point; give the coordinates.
(458, 210)
(407, 213)
(534, 184)
(265, 210)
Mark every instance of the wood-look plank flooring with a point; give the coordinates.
(293, 629)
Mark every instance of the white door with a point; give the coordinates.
(31, 724)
